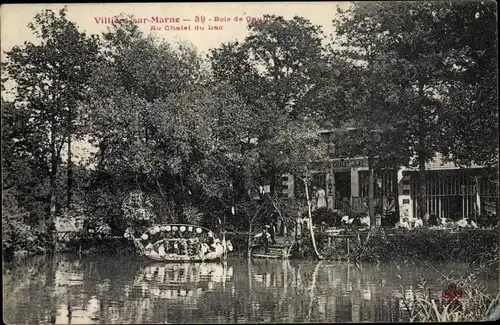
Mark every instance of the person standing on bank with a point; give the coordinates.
(272, 229)
(320, 198)
(265, 238)
(314, 198)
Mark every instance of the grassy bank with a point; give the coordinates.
(382, 245)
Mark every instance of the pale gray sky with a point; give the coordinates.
(15, 18)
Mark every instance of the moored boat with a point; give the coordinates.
(279, 250)
(180, 243)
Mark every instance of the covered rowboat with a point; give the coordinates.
(180, 243)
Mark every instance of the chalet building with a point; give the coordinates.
(452, 192)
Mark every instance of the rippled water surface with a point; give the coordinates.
(101, 289)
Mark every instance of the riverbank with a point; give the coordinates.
(382, 245)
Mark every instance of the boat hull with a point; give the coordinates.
(182, 258)
(180, 243)
(268, 256)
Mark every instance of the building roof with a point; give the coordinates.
(439, 163)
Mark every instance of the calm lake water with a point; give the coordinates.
(100, 289)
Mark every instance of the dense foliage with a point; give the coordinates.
(177, 137)
(433, 59)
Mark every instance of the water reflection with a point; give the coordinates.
(99, 289)
(184, 281)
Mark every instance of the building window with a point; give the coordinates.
(384, 183)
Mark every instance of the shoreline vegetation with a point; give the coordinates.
(381, 245)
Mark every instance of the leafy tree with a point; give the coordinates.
(470, 115)
(291, 55)
(368, 107)
(413, 61)
(50, 79)
(277, 71)
(176, 135)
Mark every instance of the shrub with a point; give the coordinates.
(239, 241)
(485, 220)
(17, 235)
(104, 205)
(325, 216)
(304, 247)
(433, 245)
(193, 215)
(105, 245)
(137, 206)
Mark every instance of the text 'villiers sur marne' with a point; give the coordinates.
(182, 24)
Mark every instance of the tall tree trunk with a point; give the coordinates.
(247, 181)
(53, 188)
(249, 240)
(311, 230)
(274, 177)
(70, 170)
(422, 186)
(396, 193)
(371, 180)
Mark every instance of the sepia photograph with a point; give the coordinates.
(250, 162)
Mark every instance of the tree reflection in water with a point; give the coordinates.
(100, 289)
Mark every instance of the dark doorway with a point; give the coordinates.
(343, 186)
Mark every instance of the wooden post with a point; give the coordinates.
(249, 248)
(371, 180)
(463, 201)
(348, 245)
(334, 195)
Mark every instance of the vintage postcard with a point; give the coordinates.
(250, 162)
